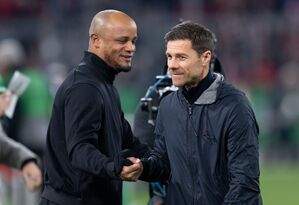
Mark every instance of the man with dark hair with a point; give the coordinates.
(87, 134)
(206, 133)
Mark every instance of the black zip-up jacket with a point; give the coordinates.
(86, 133)
(208, 151)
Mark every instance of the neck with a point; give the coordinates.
(192, 93)
(202, 77)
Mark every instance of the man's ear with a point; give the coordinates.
(96, 40)
(206, 57)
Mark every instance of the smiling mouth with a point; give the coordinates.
(127, 58)
(176, 74)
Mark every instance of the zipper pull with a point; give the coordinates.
(190, 110)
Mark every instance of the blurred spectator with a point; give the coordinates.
(17, 156)
(12, 54)
(30, 121)
(287, 112)
(12, 57)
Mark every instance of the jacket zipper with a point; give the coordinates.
(191, 157)
(190, 110)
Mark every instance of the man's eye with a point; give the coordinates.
(122, 41)
(182, 58)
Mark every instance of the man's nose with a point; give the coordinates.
(172, 64)
(131, 47)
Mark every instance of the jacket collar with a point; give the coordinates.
(193, 93)
(99, 66)
(209, 96)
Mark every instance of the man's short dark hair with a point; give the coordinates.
(202, 39)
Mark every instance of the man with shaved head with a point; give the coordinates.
(88, 136)
(113, 35)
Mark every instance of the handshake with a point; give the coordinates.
(128, 167)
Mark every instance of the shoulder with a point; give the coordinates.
(229, 92)
(233, 99)
(83, 91)
(80, 83)
(169, 99)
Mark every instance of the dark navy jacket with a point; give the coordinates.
(208, 151)
(86, 132)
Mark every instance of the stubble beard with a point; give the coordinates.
(124, 69)
(117, 66)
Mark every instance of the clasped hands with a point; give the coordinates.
(132, 172)
(128, 166)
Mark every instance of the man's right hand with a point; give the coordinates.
(132, 172)
(32, 176)
(4, 102)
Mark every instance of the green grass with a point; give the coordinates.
(135, 193)
(280, 185)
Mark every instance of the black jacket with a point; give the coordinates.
(207, 150)
(86, 133)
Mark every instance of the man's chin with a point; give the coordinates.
(124, 69)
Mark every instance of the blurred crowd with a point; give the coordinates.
(257, 45)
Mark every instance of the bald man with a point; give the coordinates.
(87, 135)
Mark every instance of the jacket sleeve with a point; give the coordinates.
(157, 166)
(83, 120)
(133, 143)
(243, 157)
(13, 153)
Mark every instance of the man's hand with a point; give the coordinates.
(32, 176)
(132, 172)
(4, 102)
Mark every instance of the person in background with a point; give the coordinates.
(30, 120)
(206, 134)
(18, 156)
(87, 138)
